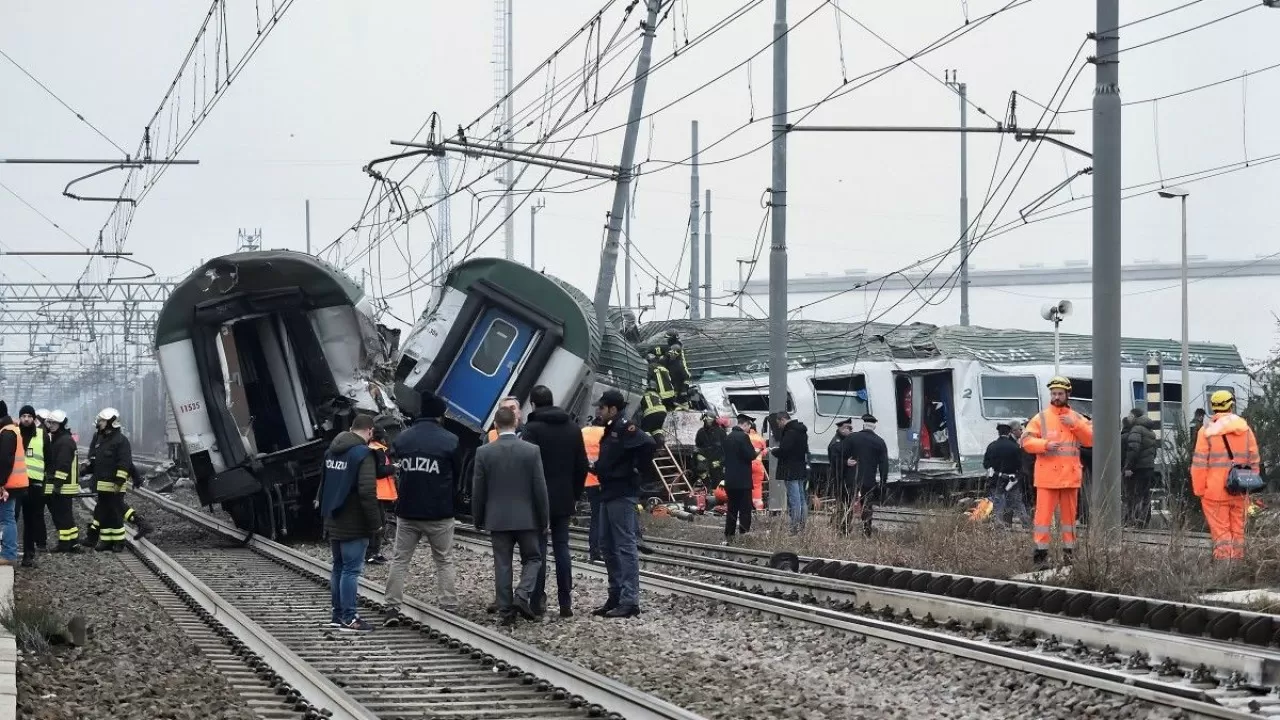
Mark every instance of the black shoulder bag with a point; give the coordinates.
(1241, 479)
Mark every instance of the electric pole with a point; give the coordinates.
(533, 216)
(626, 166)
(308, 227)
(626, 266)
(778, 245)
(962, 91)
(694, 255)
(1106, 274)
(706, 264)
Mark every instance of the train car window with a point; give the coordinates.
(844, 396)
(1082, 395)
(1009, 397)
(1170, 405)
(494, 346)
(754, 401)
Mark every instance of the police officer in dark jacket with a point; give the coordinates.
(867, 463)
(738, 455)
(426, 455)
(624, 450)
(348, 502)
(1003, 460)
(564, 464)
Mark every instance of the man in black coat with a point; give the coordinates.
(738, 455)
(1142, 447)
(868, 457)
(564, 464)
(1003, 460)
(792, 453)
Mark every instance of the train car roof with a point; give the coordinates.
(323, 284)
(612, 357)
(734, 347)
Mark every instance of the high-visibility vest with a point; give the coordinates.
(18, 476)
(651, 403)
(662, 379)
(1059, 468)
(70, 481)
(591, 437)
(35, 457)
(1211, 463)
(386, 485)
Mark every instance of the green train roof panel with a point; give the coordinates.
(726, 348)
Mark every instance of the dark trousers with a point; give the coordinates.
(1136, 497)
(564, 566)
(504, 544)
(738, 517)
(109, 514)
(31, 512)
(618, 537)
(377, 541)
(859, 500)
(593, 530)
(64, 519)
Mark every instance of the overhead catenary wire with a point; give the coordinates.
(62, 102)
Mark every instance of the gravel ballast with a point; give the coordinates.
(722, 662)
(135, 664)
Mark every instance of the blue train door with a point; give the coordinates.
(488, 359)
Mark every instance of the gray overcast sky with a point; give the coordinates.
(338, 80)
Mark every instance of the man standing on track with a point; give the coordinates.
(348, 499)
(1225, 441)
(624, 450)
(62, 481)
(35, 440)
(1055, 437)
(738, 456)
(426, 454)
(112, 470)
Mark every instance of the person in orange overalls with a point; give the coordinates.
(1224, 441)
(757, 467)
(386, 488)
(1055, 437)
(591, 436)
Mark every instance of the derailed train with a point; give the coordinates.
(266, 356)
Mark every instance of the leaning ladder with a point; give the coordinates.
(673, 477)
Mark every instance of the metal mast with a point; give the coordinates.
(626, 166)
(502, 96)
(695, 256)
(778, 248)
(444, 230)
(1106, 274)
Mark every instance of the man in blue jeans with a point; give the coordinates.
(348, 501)
(624, 450)
(792, 453)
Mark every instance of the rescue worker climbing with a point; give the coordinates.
(112, 471)
(677, 369)
(62, 480)
(1225, 442)
(1055, 437)
(653, 413)
(660, 379)
(34, 440)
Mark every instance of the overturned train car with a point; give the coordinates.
(266, 356)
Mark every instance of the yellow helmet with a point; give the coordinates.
(1059, 383)
(1221, 401)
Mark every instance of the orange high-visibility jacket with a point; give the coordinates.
(591, 436)
(386, 482)
(1210, 464)
(17, 479)
(1058, 468)
(757, 465)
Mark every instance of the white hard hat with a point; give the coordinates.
(110, 415)
(42, 413)
(56, 416)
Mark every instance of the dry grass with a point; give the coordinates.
(33, 627)
(951, 543)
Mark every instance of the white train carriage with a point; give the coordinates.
(266, 356)
(971, 377)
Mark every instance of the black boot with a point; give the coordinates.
(1067, 557)
(606, 608)
(1041, 559)
(143, 527)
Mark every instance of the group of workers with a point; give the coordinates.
(667, 386)
(1225, 446)
(38, 459)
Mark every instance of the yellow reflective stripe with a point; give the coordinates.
(69, 489)
(60, 475)
(109, 486)
(69, 534)
(122, 474)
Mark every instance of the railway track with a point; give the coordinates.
(1191, 672)
(261, 610)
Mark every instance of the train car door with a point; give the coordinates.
(483, 369)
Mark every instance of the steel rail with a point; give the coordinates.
(1219, 623)
(608, 694)
(1188, 699)
(1259, 666)
(309, 682)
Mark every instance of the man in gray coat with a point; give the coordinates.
(509, 499)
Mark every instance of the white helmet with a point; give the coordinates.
(55, 416)
(42, 413)
(109, 415)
